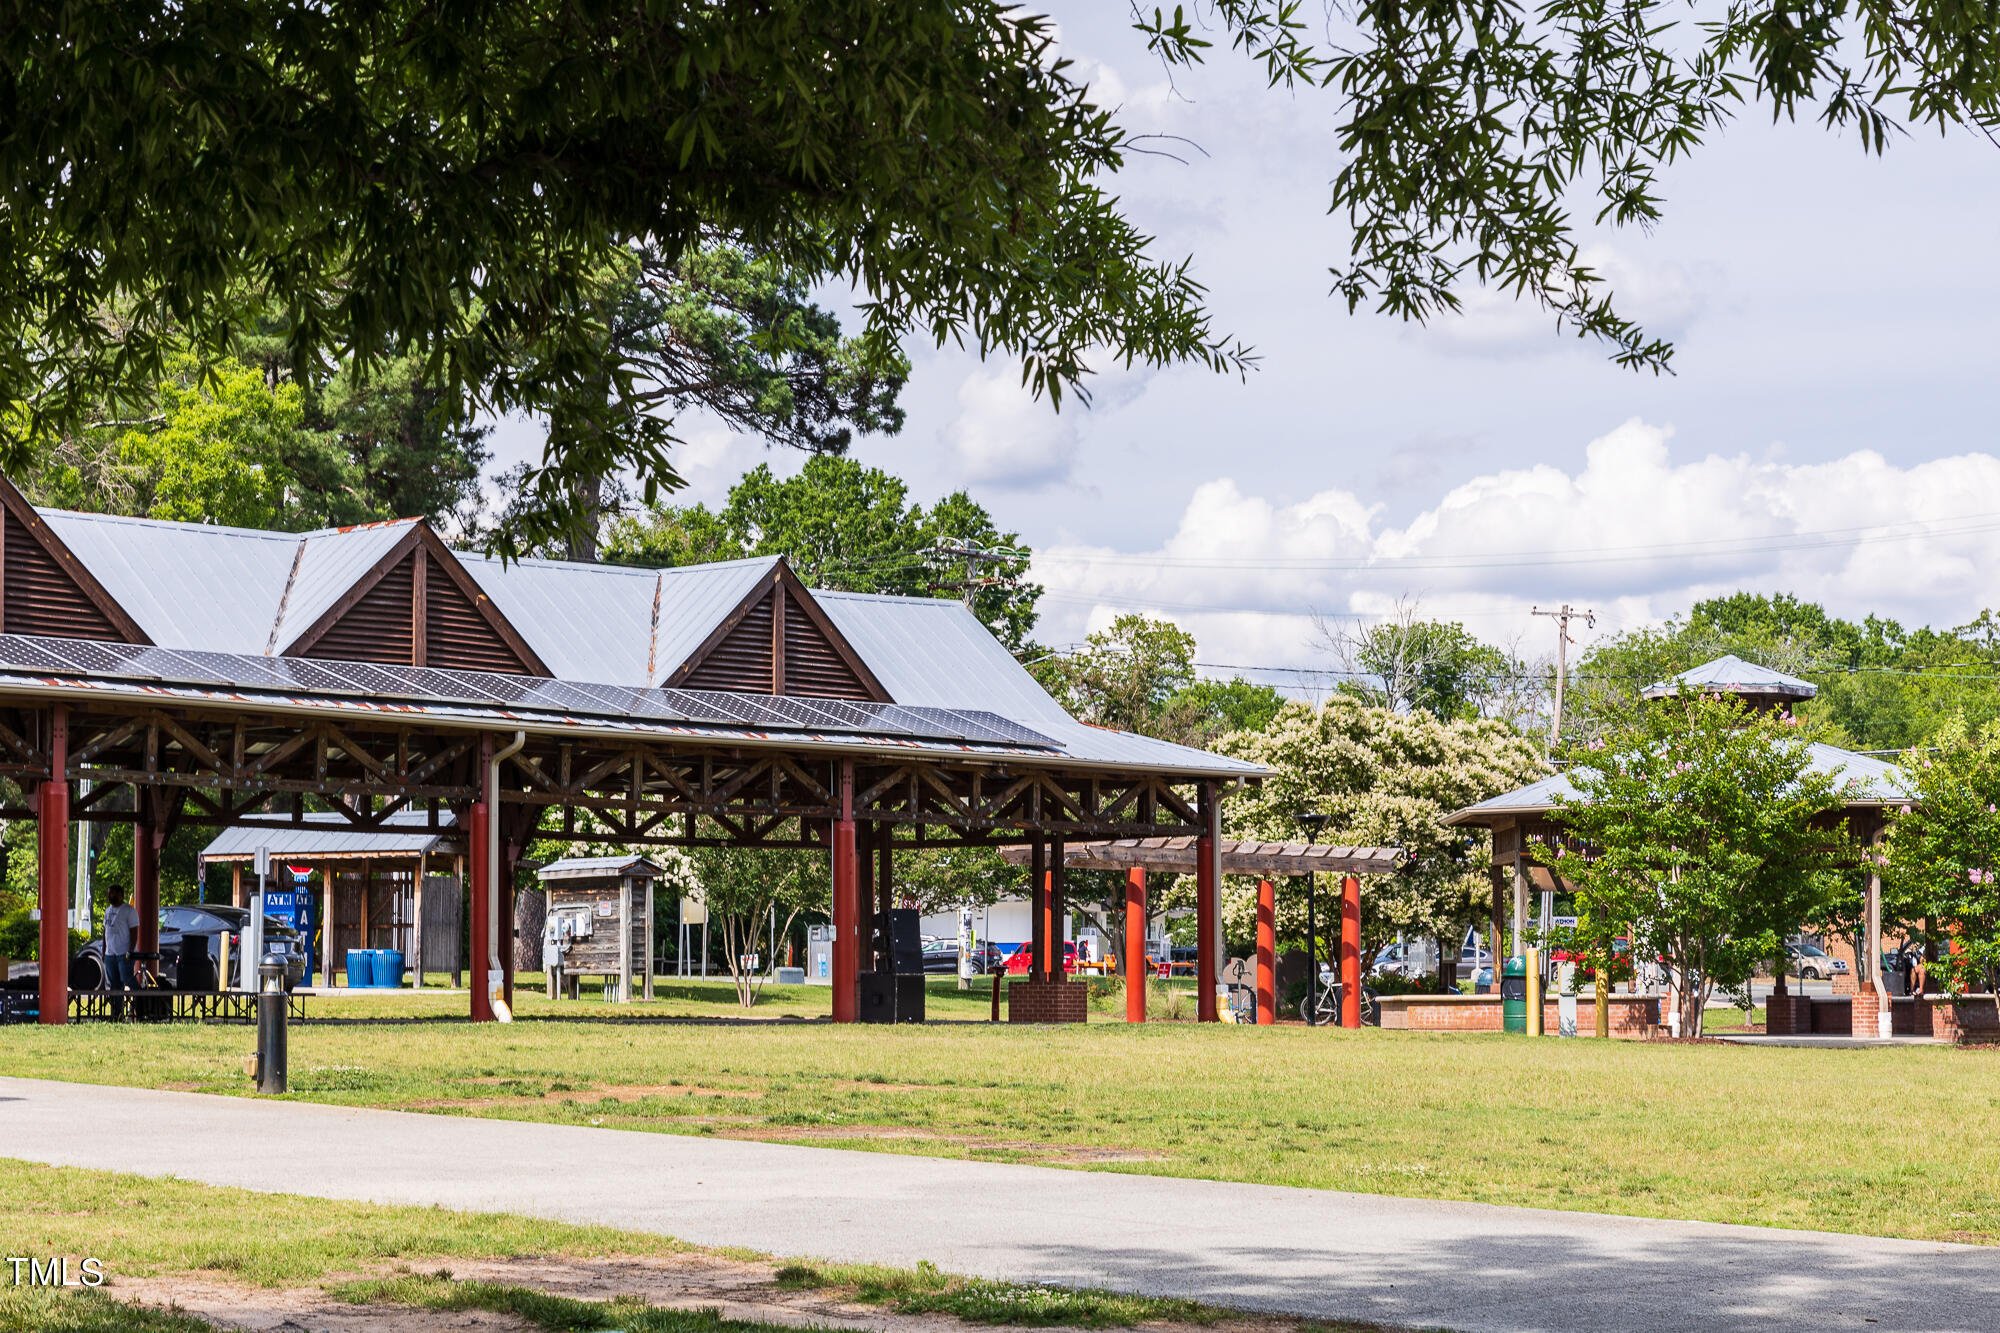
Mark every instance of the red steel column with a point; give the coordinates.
(482, 1006)
(1135, 945)
(1267, 953)
(1207, 908)
(52, 829)
(1058, 912)
(1350, 952)
(146, 839)
(847, 941)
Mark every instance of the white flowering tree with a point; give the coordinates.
(1382, 778)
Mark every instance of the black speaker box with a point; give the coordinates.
(888, 997)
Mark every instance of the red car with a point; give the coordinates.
(1023, 957)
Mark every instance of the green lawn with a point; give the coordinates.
(1893, 1142)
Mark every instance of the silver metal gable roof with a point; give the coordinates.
(405, 833)
(1877, 782)
(188, 585)
(595, 622)
(934, 652)
(1730, 674)
(599, 867)
(328, 564)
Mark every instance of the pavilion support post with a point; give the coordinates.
(482, 878)
(1350, 951)
(52, 836)
(873, 922)
(1038, 908)
(327, 922)
(1058, 913)
(417, 923)
(1496, 931)
(1135, 945)
(1208, 905)
(885, 887)
(146, 838)
(1872, 993)
(1267, 953)
(1520, 949)
(236, 885)
(847, 916)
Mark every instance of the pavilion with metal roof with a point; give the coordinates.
(227, 678)
(1527, 829)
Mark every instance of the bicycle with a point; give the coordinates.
(1327, 1010)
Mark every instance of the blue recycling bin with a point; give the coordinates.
(388, 968)
(360, 967)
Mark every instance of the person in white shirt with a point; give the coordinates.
(121, 927)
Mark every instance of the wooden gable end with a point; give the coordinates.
(44, 588)
(778, 641)
(418, 607)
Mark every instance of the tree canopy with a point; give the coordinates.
(449, 181)
(1943, 863)
(1139, 675)
(1705, 826)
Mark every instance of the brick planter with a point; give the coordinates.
(1787, 1015)
(1047, 1001)
(1631, 1015)
(1862, 1014)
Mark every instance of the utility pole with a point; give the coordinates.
(1562, 616)
(974, 555)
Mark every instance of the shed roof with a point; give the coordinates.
(406, 833)
(1877, 783)
(1238, 857)
(600, 867)
(1730, 674)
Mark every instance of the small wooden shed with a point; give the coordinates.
(600, 919)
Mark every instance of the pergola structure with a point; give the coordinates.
(1208, 860)
(230, 678)
(1527, 829)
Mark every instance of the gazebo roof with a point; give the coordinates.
(599, 867)
(1878, 783)
(1732, 675)
(1238, 858)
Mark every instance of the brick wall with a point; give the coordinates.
(1631, 1015)
(1047, 1001)
(1831, 1017)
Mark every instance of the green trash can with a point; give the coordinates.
(1514, 995)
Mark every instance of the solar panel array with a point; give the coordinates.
(421, 685)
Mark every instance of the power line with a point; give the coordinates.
(1714, 548)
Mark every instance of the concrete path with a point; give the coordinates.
(1469, 1267)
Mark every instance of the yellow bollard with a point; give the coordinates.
(1534, 992)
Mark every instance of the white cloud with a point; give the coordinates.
(1637, 532)
(1004, 435)
(1663, 298)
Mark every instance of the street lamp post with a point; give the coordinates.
(1312, 821)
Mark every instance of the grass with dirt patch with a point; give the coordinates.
(1843, 1140)
(138, 1225)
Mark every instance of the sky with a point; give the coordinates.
(1829, 430)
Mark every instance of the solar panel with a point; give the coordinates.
(714, 708)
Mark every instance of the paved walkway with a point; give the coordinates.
(1469, 1267)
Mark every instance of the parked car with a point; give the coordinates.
(1814, 963)
(214, 920)
(1023, 958)
(941, 956)
(1403, 960)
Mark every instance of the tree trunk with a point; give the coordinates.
(588, 495)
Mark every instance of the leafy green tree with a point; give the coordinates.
(844, 526)
(746, 891)
(218, 455)
(1708, 829)
(408, 179)
(1124, 677)
(1229, 705)
(1382, 778)
(1405, 662)
(1943, 858)
(1881, 686)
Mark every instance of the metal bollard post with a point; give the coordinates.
(272, 1013)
